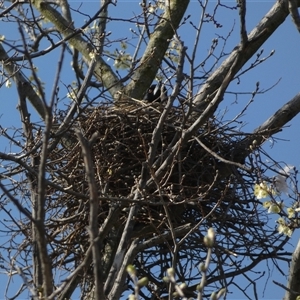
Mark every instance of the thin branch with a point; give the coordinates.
(277, 121)
(16, 203)
(20, 79)
(57, 76)
(39, 204)
(243, 167)
(94, 207)
(66, 289)
(67, 122)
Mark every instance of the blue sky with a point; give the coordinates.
(283, 65)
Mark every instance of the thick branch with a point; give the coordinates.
(294, 277)
(285, 114)
(157, 47)
(267, 26)
(103, 72)
(293, 7)
(270, 127)
(244, 37)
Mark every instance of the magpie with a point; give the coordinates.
(154, 93)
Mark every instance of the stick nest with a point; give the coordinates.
(194, 186)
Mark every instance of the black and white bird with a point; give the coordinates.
(154, 93)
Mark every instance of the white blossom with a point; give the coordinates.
(280, 184)
(261, 190)
(280, 180)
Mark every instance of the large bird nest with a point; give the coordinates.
(121, 158)
(194, 189)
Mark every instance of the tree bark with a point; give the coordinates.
(294, 277)
(157, 47)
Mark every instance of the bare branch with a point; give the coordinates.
(267, 26)
(66, 12)
(242, 7)
(293, 8)
(16, 203)
(94, 205)
(76, 104)
(156, 48)
(294, 276)
(21, 80)
(280, 118)
(243, 167)
(103, 71)
(101, 30)
(145, 180)
(40, 210)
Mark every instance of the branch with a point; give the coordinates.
(101, 29)
(16, 203)
(121, 253)
(66, 289)
(79, 97)
(103, 72)
(40, 210)
(65, 9)
(94, 208)
(159, 127)
(243, 167)
(124, 256)
(118, 285)
(21, 81)
(293, 8)
(244, 37)
(156, 48)
(285, 114)
(266, 27)
(270, 127)
(294, 277)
